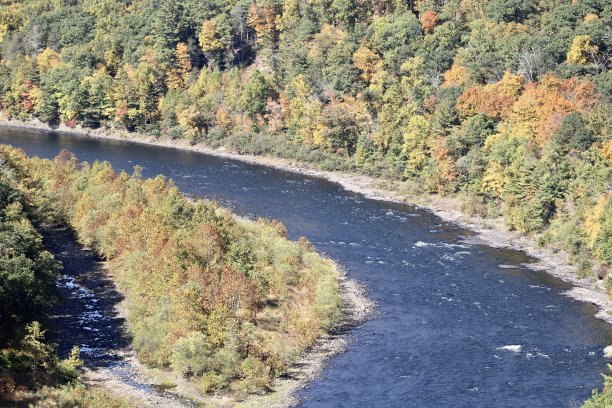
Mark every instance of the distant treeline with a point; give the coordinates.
(505, 102)
(227, 303)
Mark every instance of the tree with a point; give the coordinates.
(210, 37)
(394, 37)
(573, 134)
(255, 95)
(472, 134)
(494, 100)
(531, 64)
(582, 50)
(263, 21)
(429, 21)
(99, 90)
(340, 124)
(413, 80)
(344, 11)
(456, 76)
(48, 59)
(302, 110)
(177, 77)
(367, 62)
(167, 29)
(510, 10)
(39, 353)
(599, 228)
(492, 49)
(415, 147)
(538, 110)
(445, 115)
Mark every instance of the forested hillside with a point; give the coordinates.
(505, 101)
(223, 302)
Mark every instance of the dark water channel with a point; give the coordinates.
(454, 329)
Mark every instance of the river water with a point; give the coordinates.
(454, 328)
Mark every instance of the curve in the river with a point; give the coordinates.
(455, 329)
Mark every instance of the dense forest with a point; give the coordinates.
(505, 102)
(224, 302)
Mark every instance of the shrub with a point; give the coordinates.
(176, 132)
(211, 382)
(256, 375)
(192, 354)
(79, 396)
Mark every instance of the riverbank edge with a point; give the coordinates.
(356, 309)
(491, 232)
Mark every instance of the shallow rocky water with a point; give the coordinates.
(459, 325)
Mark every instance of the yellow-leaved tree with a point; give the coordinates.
(581, 51)
(209, 37)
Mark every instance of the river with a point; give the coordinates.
(453, 327)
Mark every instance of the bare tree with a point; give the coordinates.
(603, 60)
(434, 77)
(530, 63)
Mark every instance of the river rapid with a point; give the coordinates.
(458, 324)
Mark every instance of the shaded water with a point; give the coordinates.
(454, 328)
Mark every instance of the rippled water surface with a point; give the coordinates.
(454, 328)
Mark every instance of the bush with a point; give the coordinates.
(79, 396)
(216, 134)
(256, 375)
(211, 382)
(601, 399)
(176, 132)
(473, 206)
(585, 266)
(68, 368)
(192, 354)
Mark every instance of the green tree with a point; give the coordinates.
(39, 353)
(395, 37)
(344, 11)
(574, 134)
(255, 95)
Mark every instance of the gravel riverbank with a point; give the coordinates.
(492, 232)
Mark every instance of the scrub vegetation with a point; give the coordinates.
(29, 367)
(225, 302)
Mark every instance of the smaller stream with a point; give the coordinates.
(87, 316)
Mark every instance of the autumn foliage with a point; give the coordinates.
(192, 274)
(494, 100)
(504, 102)
(429, 20)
